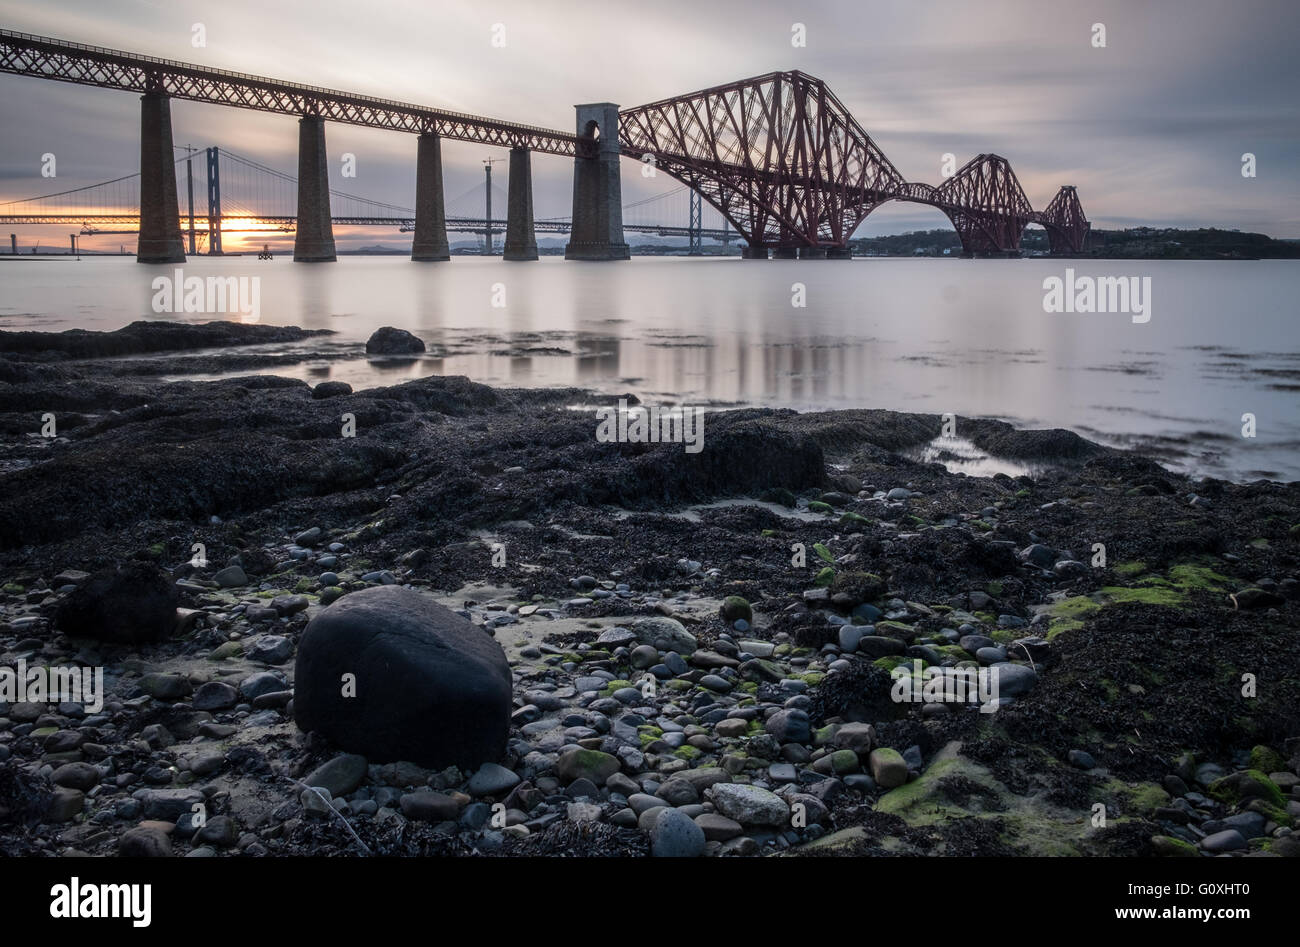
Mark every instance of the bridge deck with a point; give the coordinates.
(43, 57)
(250, 224)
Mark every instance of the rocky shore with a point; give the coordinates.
(697, 654)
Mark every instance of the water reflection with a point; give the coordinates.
(968, 337)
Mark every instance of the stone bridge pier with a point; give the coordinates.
(314, 240)
(160, 216)
(521, 241)
(597, 232)
(430, 243)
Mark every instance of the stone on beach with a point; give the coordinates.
(888, 768)
(389, 673)
(675, 835)
(750, 805)
(387, 340)
(666, 634)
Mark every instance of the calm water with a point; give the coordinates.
(968, 337)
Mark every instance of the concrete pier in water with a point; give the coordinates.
(160, 216)
(597, 232)
(430, 243)
(314, 241)
(521, 241)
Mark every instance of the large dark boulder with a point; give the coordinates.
(429, 686)
(389, 341)
(130, 604)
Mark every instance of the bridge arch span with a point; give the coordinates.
(895, 205)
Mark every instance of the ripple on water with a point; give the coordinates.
(959, 455)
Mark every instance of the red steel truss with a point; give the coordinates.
(46, 58)
(778, 155)
(782, 159)
(986, 205)
(1067, 228)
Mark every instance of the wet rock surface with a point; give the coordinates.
(390, 341)
(720, 654)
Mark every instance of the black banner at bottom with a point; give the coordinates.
(145, 898)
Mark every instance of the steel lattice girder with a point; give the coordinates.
(778, 155)
(782, 159)
(46, 58)
(986, 204)
(1067, 227)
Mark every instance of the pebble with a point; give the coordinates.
(263, 682)
(270, 649)
(673, 834)
(849, 636)
(1082, 759)
(1014, 680)
(430, 807)
(1229, 840)
(888, 768)
(230, 577)
(750, 805)
(81, 776)
(316, 802)
(215, 695)
(340, 775)
(789, 726)
(492, 779)
(144, 842)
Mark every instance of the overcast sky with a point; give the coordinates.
(1151, 128)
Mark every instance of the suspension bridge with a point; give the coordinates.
(777, 155)
(237, 194)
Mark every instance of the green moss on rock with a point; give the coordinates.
(1266, 760)
(1129, 568)
(862, 586)
(1247, 784)
(1169, 847)
(734, 607)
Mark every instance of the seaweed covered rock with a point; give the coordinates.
(129, 604)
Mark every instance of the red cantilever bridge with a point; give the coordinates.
(778, 155)
(781, 157)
